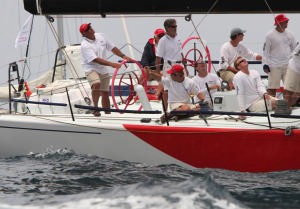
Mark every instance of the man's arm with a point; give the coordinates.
(117, 52)
(224, 62)
(106, 62)
(157, 64)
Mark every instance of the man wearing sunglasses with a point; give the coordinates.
(149, 56)
(169, 47)
(230, 51)
(94, 48)
(250, 89)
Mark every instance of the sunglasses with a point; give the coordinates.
(180, 75)
(173, 26)
(243, 60)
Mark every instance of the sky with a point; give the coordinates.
(213, 29)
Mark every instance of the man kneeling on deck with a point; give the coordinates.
(180, 90)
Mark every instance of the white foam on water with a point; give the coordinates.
(195, 200)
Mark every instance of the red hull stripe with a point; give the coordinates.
(248, 150)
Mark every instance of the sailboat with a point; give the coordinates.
(58, 115)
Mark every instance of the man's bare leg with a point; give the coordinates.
(272, 92)
(95, 96)
(105, 100)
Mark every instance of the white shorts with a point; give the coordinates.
(226, 75)
(94, 77)
(259, 106)
(275, 76)
(292, 81)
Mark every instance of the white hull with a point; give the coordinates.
(219, 142)
(21, 135)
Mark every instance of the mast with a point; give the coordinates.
(60, 34)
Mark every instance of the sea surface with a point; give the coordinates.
(65, 180)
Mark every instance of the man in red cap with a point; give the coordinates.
(149, 55)
(94, 48)
(278, 47)
(180, 89)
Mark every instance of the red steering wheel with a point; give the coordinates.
(125, 78)
(195, 54)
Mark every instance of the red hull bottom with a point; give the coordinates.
(243, 150)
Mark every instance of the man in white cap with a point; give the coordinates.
(94, 47)
(278, 47)
(229, 51)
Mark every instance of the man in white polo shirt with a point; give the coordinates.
(94, 47)
(169, 47)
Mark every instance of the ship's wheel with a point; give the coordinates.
(194, 54)
(123, 81)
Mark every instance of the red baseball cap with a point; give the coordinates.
(175, 69)
(159, 31)
(84, 27)
(280, 18)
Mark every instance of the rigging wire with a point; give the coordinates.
(272, 13)
(204, 17)
(27, 47)
(59, 42)
(197, 32)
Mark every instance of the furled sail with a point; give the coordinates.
(104, 7)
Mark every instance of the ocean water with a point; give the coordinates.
(64, 179)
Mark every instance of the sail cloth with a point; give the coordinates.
(24, 33)
(103, 7)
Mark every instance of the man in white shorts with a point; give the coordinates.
(250, 89)
(180, 89)
(292, 79)
(278, 47)
(94, 47)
